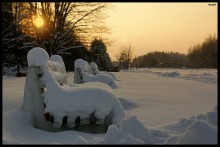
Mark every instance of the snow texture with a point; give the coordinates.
(37, 57)
(81, 64)
(95, 70)
(79, 101)
(173, 110)
(87, 67)
(57, 66)
(74, 101)
(84, 68)
(199, 132)
(117, 135)
(56, 58)
(202, 75)
(99, 78)
(90, 84)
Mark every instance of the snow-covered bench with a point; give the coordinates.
(95, 70)
(82, 75)
(49, 98)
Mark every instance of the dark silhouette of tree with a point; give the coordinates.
(99, 54)
(125, 57)
(80, 52)
(204, 55)
(162, 60)
(62, 20)
(67, 30)
(15, 42)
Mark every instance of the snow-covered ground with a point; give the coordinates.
(162, 106)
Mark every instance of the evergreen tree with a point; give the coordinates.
(99, 54)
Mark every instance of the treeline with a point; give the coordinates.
(199, 56)
(204, 55)
(69, 29)
(161, 60)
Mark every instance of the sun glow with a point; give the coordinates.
(39, 22)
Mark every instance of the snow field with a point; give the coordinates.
(190, 121)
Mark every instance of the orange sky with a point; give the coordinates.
(160, 26)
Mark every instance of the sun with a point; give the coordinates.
(39, 22)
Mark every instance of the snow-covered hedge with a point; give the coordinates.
(12, 70)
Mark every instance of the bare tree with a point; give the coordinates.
(67, 26)
(15, 41)
(125, 57)
(69, 22)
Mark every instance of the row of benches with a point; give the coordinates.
(58, 104)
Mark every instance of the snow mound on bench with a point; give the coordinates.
(37, 57)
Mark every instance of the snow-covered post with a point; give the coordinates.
(33, 101)
(78, 69)
(31, 85)
(77, 76)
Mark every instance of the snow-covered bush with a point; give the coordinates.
(12, 71)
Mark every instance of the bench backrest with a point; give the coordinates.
(94, 68)
(58, 70)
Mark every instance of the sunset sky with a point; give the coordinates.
(160, 26)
